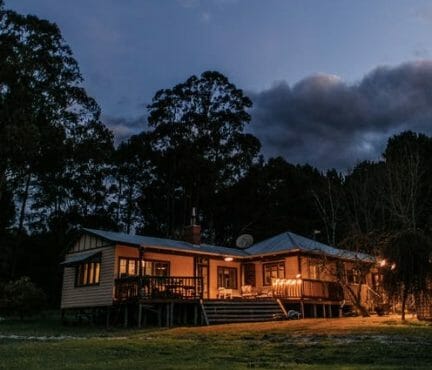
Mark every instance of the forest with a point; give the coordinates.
(60, 169)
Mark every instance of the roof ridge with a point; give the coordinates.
(292, 239)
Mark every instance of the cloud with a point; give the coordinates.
(327, 122)
(123, 128)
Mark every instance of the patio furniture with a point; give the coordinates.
(248, 292)
(224, 293)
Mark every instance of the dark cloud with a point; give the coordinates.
(328, 123)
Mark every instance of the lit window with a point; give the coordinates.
(273, 271)
(88, 273)
(227, 277)
(130, 267)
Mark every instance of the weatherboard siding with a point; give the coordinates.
(87, 242)
(90, 296)
(291, 267)
(179, 265)
(213, 267)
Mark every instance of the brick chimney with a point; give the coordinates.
(192, 233)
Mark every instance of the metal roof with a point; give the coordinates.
(289, 241)
(284, 242)
(169, 244)
(77, 258)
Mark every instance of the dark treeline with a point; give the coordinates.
(59, 168)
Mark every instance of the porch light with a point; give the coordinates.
(228, 259)
(383, 263)
(298, 276)
(393, 266)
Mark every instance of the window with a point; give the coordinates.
(354, 276)
(159, 268)
(227, 277)
(316, 268)
(130, 267)
(88, 273)
(273, 271)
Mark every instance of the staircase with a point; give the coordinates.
(229, 311)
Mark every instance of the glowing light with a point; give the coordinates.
(298, 276)
(393, 266)
(383, 263)
(228, 259)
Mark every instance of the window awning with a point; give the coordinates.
(80, 258)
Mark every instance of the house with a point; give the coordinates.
(141, 278)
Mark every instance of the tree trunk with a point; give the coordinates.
(20, 227)
(404, 298)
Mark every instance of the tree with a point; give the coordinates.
(408, 177)
(329, 200)
(43, 108)
(273, 197)
(200, 145)
(41, 100)
(408, 265)
(132, 174)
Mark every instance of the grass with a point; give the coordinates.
(348, 343)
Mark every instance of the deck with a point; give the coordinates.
(158, 288)
(191, 288)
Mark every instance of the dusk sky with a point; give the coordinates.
(330, 80)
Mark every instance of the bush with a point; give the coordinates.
(21, 298)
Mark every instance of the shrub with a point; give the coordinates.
(21, 298)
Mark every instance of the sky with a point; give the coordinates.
(330, 80)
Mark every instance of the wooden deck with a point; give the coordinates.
(179, 288)
(158, 288)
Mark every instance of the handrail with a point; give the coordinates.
(307, 288)
(204, 312)
(158, 287)
(282, 307)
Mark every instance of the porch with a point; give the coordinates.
(191, 288)
(158, 288)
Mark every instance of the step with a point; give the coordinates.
(224, 311)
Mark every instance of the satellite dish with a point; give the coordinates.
(244, 241)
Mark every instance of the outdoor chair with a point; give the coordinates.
(224, 293)
(247, 291)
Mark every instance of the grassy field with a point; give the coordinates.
(348, 343)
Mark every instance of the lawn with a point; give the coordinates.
(348, 343)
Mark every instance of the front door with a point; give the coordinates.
(202, 270)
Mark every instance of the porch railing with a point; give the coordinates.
(158, 287)
(307, 288)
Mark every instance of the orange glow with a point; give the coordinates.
(228, 259)
(383, 263)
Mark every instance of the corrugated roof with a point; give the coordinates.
(162, 243)
(289, 241)
(284, 242)
(77, 258)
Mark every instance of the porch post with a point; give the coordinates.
(139, 315)
(140, 270)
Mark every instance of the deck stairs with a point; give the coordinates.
(231, 311)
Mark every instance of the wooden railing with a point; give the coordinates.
(307, 288)
(158, 287)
